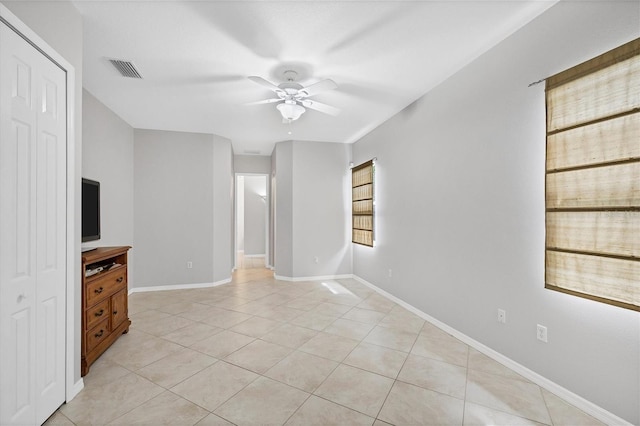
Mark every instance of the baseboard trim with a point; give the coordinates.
(178, 286)
(572, 398)
(75, 390)
(316, 278)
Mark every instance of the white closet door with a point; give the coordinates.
(32, 232)
(51, 260)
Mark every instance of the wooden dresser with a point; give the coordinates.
(104, 301)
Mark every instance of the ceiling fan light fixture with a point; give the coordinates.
(290, 111)
(295, 96)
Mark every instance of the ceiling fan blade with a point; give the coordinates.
(262, 82)
(266, 101)
(319, 106)
(318, 87)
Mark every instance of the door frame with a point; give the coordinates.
(267, 241)
(72, 387)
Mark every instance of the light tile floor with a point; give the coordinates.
(262, 351)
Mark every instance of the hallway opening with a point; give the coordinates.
(251, 256)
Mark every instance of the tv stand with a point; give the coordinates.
(104, 301)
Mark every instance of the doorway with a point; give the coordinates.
(252, 222)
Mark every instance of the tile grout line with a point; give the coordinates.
(396, 379)
(546, 406)
(466, 386)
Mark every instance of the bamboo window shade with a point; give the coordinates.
(362, 179)
(593, 179)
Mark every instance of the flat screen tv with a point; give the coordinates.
(90, 210)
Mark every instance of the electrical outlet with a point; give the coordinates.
(316, 259)
(189, 264)
(502, 316)
(542, 333)
(390, 273)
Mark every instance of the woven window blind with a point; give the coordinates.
(593, 179)
(362, 178)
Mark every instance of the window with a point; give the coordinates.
(593, 179)
(362, 178)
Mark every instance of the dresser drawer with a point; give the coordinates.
(97, 334)
(97, 313)
(105, 285)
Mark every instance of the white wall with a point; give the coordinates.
(240, 213)
(107, 156)
(321, 209)
(60, 24)
(252, 164)
(255, 214)
(283, 171)
(312, 209)
(182, 208)
(272, 212)
(223, 209)
(460, 209)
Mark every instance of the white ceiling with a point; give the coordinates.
(195, 57)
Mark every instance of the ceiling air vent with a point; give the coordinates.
(126, 68)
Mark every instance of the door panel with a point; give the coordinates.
(18, 149)
(49, 311)
(17, 231)
(32, 232)
(50, 240)
(21, 350)
(118, 308)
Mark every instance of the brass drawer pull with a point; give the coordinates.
(120, 279)
(99, 290)
(99, 334)
(99, 314)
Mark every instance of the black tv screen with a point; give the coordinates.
(90, 210)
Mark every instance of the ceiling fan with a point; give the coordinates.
(292, 96)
